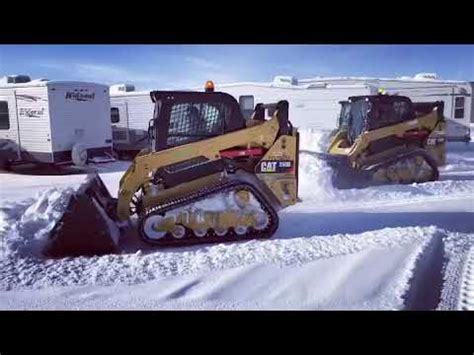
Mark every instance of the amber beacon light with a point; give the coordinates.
(209, 87)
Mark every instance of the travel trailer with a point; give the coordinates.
(424, 87)
(314, 103)
(311, 106)
(53, 122)
(130, 113)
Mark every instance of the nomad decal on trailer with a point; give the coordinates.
(79, 96)
(275, 166)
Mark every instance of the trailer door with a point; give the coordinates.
(458, 127)
(9, 135)
(119, 119)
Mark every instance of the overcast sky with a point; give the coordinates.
(183, 66)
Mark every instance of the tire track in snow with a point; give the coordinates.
(458, 250)
(467, 284)
(426, 284)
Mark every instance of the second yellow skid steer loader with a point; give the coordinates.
(386, 139)
(209, 176)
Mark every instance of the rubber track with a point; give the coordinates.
(431, 162)
(190, 239)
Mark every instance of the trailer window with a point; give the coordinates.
(114, 115)
(246, 103)
(270, 111)
(4, 115)
(459, 107)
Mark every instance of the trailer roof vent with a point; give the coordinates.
(317, 85)
(122, 88)
(281, 80)
(15, 79)
(426, 76)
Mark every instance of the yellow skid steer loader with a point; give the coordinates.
(210, 176)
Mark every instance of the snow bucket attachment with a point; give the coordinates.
(343, 176)
(88, 226)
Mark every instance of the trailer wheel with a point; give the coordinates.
(79, 155)
(121, 155)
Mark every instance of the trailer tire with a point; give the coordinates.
(79, 155)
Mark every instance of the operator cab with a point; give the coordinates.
(366, 113)
(182, 117)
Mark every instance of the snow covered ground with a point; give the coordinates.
(385, 247)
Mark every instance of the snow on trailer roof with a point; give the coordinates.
(41, 83)
(292, 87)
(284, 82)
(432, 78)
(129, 93)
(327, 82)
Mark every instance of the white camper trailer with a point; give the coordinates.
(423, 87)
(311, 106)
(314, 103)
(131, 111)
(54, 122)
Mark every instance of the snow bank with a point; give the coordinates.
(460, 158)
(25, 227)
(372, 270)
(353, 281)
(141, 267)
